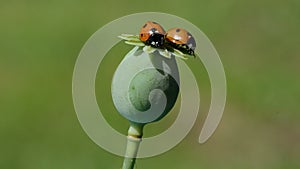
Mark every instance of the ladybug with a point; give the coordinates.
(152, 34)
(181, 39)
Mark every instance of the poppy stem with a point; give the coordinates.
(134, 138)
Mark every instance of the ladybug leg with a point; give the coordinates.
(195, 55)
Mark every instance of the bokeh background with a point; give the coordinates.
(258, 42)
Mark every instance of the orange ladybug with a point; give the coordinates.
(181, 39)
(152, 34)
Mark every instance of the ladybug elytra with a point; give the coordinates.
(152, 34)
(181, 39)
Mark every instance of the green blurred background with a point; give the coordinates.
(258, 42)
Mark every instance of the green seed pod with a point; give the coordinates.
(145, 86)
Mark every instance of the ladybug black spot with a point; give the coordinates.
(153, 30)
(177, 30)
(142, 35)
(145, 26)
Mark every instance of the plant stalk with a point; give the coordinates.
(134, 138)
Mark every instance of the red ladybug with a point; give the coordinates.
(153, 34)
(181, 39)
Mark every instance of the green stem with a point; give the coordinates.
(135, 133)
